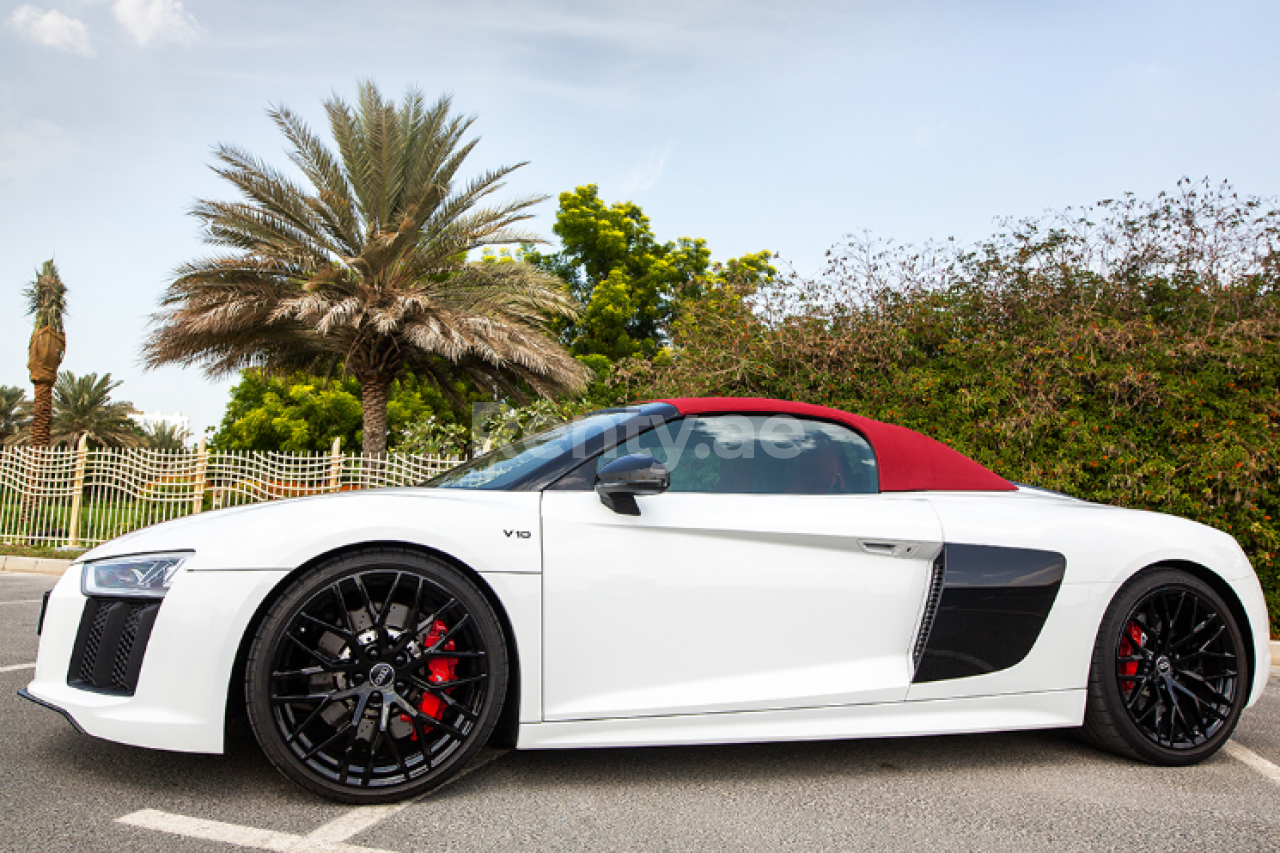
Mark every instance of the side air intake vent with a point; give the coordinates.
(111, 643)
(930, 607)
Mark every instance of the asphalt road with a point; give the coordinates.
(1022, 791)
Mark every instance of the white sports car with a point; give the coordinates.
(684, 571)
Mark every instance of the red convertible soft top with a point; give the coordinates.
(907, 460)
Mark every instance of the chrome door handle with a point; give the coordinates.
(899, 548)
(884, 549)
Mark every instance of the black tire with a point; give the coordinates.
(1169, 675)
(350, 701)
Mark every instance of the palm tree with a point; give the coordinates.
(12, 411)
(166, 436)
(47, 302)
(82, 405)
(366, 269)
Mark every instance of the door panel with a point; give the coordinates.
(726, 602)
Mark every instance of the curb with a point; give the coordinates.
(34, 565)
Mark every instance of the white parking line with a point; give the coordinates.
(1247, 756)
(241, 836)
(17, 666)
(329, 838)
(353, 822)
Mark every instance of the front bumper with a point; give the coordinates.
(1249, 590)
(180, 699)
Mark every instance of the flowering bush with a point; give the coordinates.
(1125, 353)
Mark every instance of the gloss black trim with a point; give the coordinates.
(44, 607)
(994, 604)
(111, 643)
(52, 707)
(930, 608)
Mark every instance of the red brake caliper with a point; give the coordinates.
(1128, 646)
(442, 670)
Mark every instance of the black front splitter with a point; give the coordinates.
(70, 719)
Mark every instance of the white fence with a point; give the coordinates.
(78, 498)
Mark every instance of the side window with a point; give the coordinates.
(756, 454)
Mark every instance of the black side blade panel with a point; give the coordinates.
(994, 603)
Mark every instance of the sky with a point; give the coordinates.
(753, 125)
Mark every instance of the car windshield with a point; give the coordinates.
(510, 464)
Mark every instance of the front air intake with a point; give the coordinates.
(111, 643)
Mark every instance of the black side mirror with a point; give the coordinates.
(621, 480)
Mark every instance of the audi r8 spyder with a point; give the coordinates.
(686, 571)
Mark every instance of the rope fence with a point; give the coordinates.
(78, 498)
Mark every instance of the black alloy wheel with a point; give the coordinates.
(1170, 672)
(377, 676)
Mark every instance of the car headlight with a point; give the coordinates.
(140, 575)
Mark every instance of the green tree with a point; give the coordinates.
(367, 268)
(82, 405)
(302, 412)
(47, 304)
(1128, 353)
(12, 412)
(628, 281)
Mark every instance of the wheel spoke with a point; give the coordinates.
(422, 626)
(1204, 654)
(356, 718)
(1209, 620)
(336, 734)
(311, 718)
(381, 621)
(395, 753)
(1216, 635)
(1200, 703)
(373, 757)
(1182, 598)
(328, 663)
(410, 633)
(423, 732)
(448, 635)
(342, 608)
(369, 609)
(440, 690)
(344, 634)
(455, 705)
(426, 624)
(1176, 713)
(1217, 696)
(442, 726)
(1135, 697)
(292, 700)
(440, 687)
(1160, 609)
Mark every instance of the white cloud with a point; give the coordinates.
(156, 21)
(646, 174)
(29, 147)
(52, 29)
